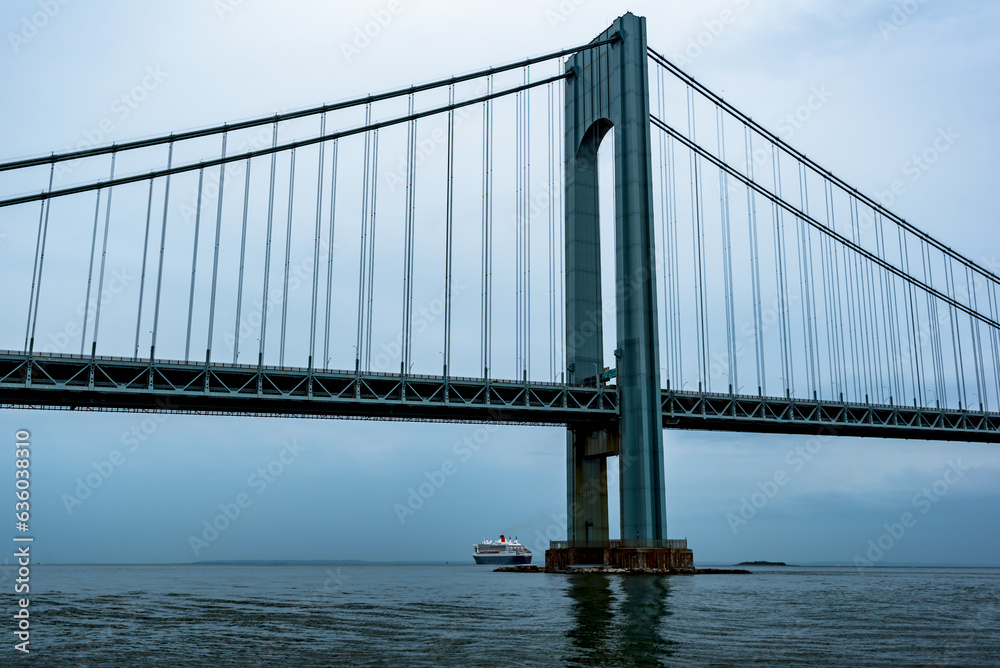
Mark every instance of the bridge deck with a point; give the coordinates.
(126, 384)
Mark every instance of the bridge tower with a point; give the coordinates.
(609, 89)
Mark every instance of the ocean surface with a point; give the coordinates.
(467, 615)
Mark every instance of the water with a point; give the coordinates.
(465, 615)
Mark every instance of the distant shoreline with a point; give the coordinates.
(761, 563)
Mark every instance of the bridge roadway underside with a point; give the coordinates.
(126, 384)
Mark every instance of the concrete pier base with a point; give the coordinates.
(678, 557)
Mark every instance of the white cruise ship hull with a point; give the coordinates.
(502, 559)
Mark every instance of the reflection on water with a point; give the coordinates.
(644, 612)
(619, 620)
(593, 615)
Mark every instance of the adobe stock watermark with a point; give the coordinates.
(769, 317)
(118, 282)
(33, 24)
(132, 440)
(796, 119)
(562, 13)
(390, 354)
(333, 584)
(300, 274)
(258, 482)
(919, 164)
(365, 34)
(557, 530)
(712, 29)
(796, 459)
(922, 502)
(901, 14)
(120, 109)
(223, 8)
(428, 145)
(213, 177)
(435, 480)
(425, 148)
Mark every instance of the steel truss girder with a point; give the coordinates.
(777, 415)
(115, 384)
(106, 383)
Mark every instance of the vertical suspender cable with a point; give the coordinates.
(238, 334)
(33, 318)
(265, 297)
(527, 224)
(937, 355)
(888, 308)
(678, 346)
(699, 251)
(288, 258)
(483, 246)
(34, 272)
(90, 270)
(104, 257)
(841, 338)
(329, 258)
(782, 281)
(805, 281)
(994, 335)
(142, 273)
(411, 150)
(853, 308)
(828, 297)
(518, 233)
(449, 221)
(215, 259)
(362, 264)
(551, 232)
(916, 355)
(194, 264)
(977, 349)
(875, 328)
(371, 251)
(871, 320)
(758, 348)
(316, 243)
(956, 336)
(163, 247)
(807, 338)
(863, 306)
(727, 257)
(560, 223)
(838, 304)
(42, 218)
(824, 252)
(902, 339)
(487, 269)
(667, 293)
(489, 246)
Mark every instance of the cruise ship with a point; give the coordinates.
(501, 552)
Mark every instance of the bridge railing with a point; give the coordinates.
(672, 543)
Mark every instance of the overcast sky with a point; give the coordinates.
(896, 75)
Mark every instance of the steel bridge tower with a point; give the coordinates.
(608, 88)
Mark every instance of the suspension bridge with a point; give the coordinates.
(435, 253)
